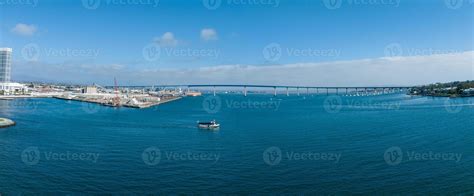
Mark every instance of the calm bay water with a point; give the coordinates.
(314, 145)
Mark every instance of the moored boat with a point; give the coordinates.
(6, 123)
(208, 125)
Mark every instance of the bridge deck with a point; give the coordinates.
(261, 86)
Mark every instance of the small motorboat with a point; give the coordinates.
(208, 125)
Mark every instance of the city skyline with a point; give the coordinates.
(162, 46)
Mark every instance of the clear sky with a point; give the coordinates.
(237, 41)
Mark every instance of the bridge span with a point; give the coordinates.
(275, 88)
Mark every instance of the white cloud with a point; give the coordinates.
(24, 29)
(404, 71)
(208, 34)
(167, 40)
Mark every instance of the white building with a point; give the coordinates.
(90, 90)
(7, 87)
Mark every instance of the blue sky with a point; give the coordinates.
(109, 38)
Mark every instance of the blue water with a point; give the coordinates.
(252, 146)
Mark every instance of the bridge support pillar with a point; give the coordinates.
(214, 90)
(327, 91)
(274, 91)
(298, 91)
(245, 91)
(366, 92)
(287, 92)
(347, 91)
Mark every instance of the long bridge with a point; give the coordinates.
(245, 87)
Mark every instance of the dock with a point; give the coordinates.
(135, 101)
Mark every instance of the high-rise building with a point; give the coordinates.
(7, 87)
(5, 64)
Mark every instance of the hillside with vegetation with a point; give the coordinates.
(451, 89)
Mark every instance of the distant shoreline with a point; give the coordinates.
(451, 90)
